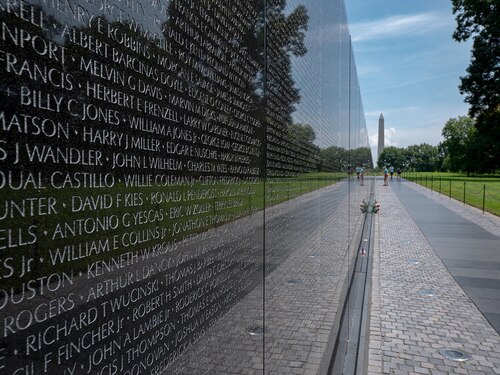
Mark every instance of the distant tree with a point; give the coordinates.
(285, 37)
(459, 144)
(361, 156)
(394, 156)
(301, 147)
(334, 159)
(303, 131)
(284, 33)
(424, 157)
(421, 158)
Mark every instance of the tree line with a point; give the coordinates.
(420, 158)
(328, 159)
(462, 150)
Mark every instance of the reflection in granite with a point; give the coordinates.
(165, 168)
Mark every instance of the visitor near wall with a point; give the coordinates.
(391, 171)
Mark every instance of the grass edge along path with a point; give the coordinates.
(481, 191)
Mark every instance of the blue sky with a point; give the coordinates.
(409, 67)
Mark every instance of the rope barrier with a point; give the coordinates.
(474, 193)
(459, 189)
(491, 196)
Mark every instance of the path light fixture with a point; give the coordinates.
(454, 354)
(256, 331)
(427, 293)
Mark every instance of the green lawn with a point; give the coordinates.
(476, 187)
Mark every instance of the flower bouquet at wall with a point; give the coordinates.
(364, 206)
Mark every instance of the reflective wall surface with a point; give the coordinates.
(175, 185)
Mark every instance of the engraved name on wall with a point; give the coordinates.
(131, 150)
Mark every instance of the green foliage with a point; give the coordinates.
(395, 156)
(487, 143)
(303, 131)
(297, 22)
(425, 157)
(361, 156)
(301, 147)
(338, 159)
(420, 158)
(334, 159)
(480, 20)
(459, 137)
(285, 37)
(471, 145)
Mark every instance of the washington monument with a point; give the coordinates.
(380, 136)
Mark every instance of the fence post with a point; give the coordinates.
(484, 196)
(432, 182)
(450, 189)
(464, 192)
(440, 178)
(426, 180)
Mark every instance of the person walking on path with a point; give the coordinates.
(386, 176)
(361, 176)
(391, 171)
(398, 171)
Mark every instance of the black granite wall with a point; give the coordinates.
(166, 169)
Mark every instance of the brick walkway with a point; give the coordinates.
(408, 329)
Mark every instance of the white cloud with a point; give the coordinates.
(389, 138)
(395, 26)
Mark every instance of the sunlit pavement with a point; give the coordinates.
(419, 308)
